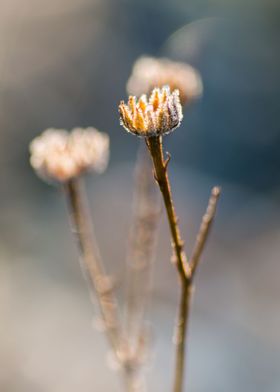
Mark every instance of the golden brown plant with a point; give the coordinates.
(153, 118)
(158, 115)
(129, 117)
(62, 157)
(151, 72)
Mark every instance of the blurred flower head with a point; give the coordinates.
(58, 155)
(158, 115)
(150, 72)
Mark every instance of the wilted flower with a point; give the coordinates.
(150, 72)
(159, 115)
(58, 155)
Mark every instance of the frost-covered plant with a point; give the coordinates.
(62, 157)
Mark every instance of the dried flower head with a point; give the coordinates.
(58, 155)
(149, 72)
(159, 115)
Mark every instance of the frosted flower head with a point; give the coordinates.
(58, 155)
(149, 72)
(158, 115)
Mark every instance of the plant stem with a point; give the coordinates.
(180, 334)
(185, 269)
(161, 176)
(160, 168)
(91, 260)
(204, 229)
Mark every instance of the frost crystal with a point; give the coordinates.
(159, 115)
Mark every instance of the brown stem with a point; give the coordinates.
(161, 176)
(180, 334)
(91, 261)
(204, 229)
(186, 270)
(160, 167)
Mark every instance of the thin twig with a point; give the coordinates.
(204, 229)
(92, 262)
(141, 250)
(161, 176)
(180, 335)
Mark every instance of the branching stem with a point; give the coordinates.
(161, 176)
(185, 269)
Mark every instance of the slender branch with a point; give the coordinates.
(180, 335)
(204, 229)
(185, 269)
(92, 262)
(161, 176)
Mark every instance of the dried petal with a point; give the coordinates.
(161, 115)
(58, 155)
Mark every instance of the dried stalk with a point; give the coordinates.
(185, 269)
(141, 249)
(187, 288)
(204, 229)
(181, 333)
(93, 265)
(161, 176)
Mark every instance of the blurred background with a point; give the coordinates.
(65, 63)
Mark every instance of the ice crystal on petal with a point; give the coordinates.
(159, 114)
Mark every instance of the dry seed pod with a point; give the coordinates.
(58, 155)
(158, 115)
(149, 72)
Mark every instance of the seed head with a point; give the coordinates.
(149, 72)
(58, 155)
(159, 115)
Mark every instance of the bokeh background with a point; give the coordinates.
(64, 63)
